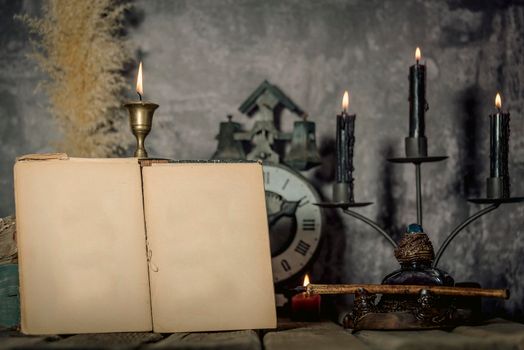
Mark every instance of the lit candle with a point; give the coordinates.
(345, 141)
(417, 97)
(305, 307)
(140, 116)
(416, 142)
(498, 182)
(139, 83)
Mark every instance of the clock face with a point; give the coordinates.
(295, 223)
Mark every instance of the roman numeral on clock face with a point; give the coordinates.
(285, 265)
(308, 224)
(302, 247)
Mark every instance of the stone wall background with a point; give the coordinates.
(202, 58)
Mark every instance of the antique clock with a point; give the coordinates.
(295, 223)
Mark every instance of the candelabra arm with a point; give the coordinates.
(460, 227)
(372, 224)
(418, 176)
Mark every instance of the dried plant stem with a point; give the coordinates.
(78, 46)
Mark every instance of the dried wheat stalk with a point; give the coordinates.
(78, 46)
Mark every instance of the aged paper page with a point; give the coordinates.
(81, 239)
(208, 237)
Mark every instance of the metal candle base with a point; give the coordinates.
(416, 146)
(497, 187)
(341, 193)
(141, 121)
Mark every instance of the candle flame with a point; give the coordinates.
(306, 281)
(498, 101)
(417, 54)
(139, 86)
(345, 101)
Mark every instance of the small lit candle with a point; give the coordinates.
(305, 307)
(498, 182)
(140, 117)
(345, 142)
(139, 82)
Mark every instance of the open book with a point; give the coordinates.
(108, 245)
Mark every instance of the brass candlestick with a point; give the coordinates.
(141, 121)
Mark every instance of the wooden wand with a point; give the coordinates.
(402, 289)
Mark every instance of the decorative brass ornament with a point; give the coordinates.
(414, 247)
(141, 121)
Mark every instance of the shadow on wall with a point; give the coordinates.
(388, 214)
(327, 268)
(334, 242)
(455, 31)
(470, 162)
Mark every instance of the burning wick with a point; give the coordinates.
(306, 283)
(345, 103)
(417, 54)
(498, 102)
(139, 86)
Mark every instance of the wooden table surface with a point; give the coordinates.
(493, 334)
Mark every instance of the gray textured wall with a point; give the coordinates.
(202, 58)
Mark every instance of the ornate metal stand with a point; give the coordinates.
(141, 121)
(418, 266)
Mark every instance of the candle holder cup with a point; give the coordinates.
(497, 187)
(141, 121)
(416, 147)
(341, 193)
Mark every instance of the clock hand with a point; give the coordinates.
(287, 208)
(273, 218)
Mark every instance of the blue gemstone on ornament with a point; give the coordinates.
(415, 228)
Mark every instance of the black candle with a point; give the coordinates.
(345, 144)
(499, 146)
(417, 97)
(345, 141)
(340, 154)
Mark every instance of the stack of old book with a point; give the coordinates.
(9, 299)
